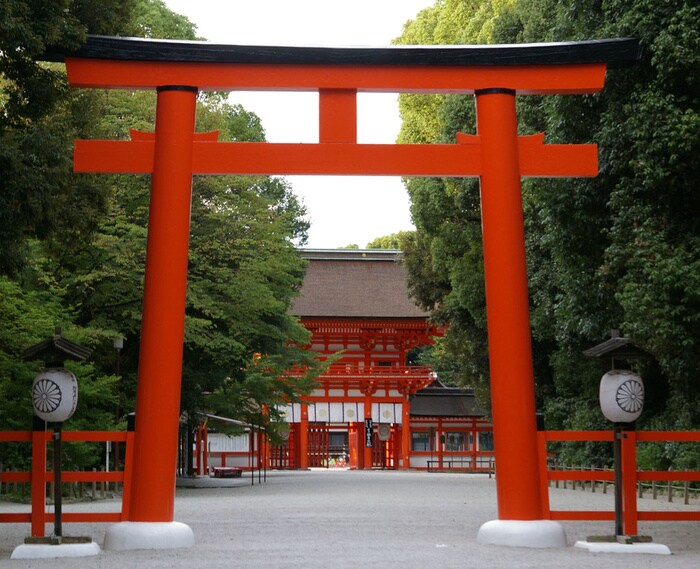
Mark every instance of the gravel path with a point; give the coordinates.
(342, 519)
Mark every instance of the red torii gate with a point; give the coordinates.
(496, 154)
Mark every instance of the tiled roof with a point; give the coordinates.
(352, 283)
(439, 401)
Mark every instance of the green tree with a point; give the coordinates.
(620, 250)
(35, 126)
(84, 271)
(616, 251)
(444, 260)
(243, 267)
(40, 200)
(393, 241)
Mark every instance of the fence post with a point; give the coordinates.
(629, 476)
(605, 482)
(571, 468)
(544, 471)
(128, 465)
(38, 478)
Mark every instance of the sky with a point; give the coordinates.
(342, 210)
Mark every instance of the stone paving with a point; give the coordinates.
(371, 519)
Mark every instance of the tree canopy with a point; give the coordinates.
(74, 245)
(619, 251)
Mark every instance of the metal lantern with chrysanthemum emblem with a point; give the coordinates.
(55, 389)
(55, 395)
(621, 396)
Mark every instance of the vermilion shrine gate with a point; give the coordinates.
(496, 154)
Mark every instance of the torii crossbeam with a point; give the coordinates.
(496, 154)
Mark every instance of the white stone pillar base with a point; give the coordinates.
(522, 533)
(148, 535)
(48, 551)
(612, 547)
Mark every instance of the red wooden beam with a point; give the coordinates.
(578, 435)
(88, 517)
(15, 436)
(524, 80)
(15, 518)
(687, 436)
(580, 475)
(668, 516)
(94, 436)
(581, 515)
(666, 475)
(262, 158)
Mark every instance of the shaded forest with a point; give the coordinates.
(73, 246)
(617, 252)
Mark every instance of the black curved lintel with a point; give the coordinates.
(614, 52)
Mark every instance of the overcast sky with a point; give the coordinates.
(342, 210)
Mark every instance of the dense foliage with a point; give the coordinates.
(73, 246)
(619, 251)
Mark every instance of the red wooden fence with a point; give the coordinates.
(38, 517)
(631, 515)
(39, 477)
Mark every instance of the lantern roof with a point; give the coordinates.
(619, 348)
(55, 350)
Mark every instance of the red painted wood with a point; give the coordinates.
(338, 115)
(665, 516)
(646, 436)
(39, 438)
(581, 515)
(631, 514)
(445, 160)
(160, 363)
(497, 155)
(507, 311)
(629, 485)
(525, 80)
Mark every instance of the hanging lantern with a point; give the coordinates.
(621, 396)
(283, 431)
(55, 395)
(384, 432)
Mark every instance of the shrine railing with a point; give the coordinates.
(38, 477)
(355, 370)
(631, 514)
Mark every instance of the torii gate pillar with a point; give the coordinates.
(152, 499)
(520, 516)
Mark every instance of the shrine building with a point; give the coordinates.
(374, 406)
